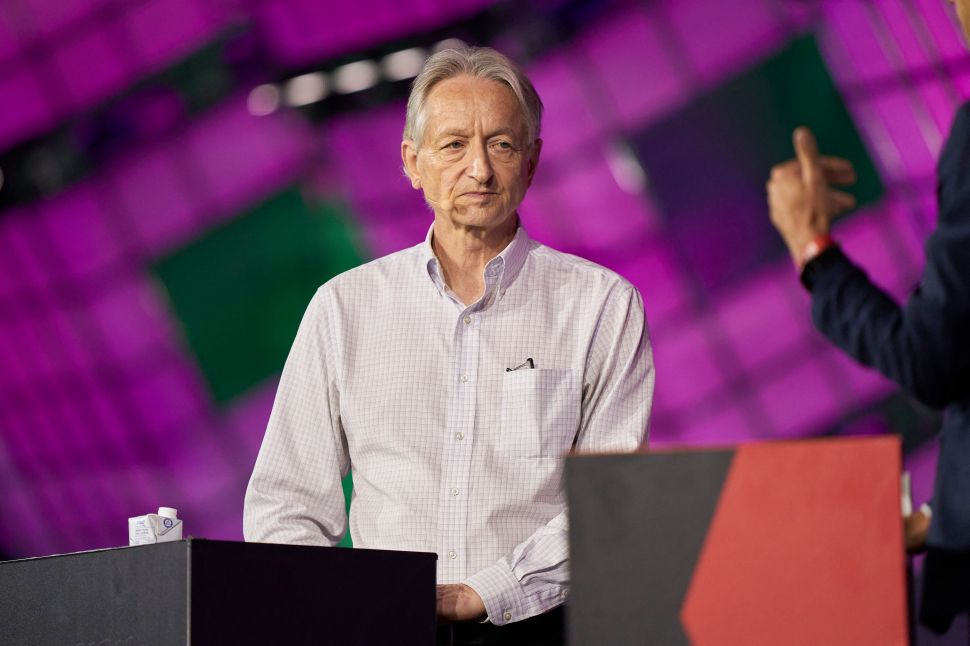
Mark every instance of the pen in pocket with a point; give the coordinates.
(528, 362)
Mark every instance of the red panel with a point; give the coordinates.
(805, 547)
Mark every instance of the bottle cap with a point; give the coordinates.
(168, 512)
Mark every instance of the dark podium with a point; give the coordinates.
(204, 592)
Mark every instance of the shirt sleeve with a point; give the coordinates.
(617, 397)
(295, 494)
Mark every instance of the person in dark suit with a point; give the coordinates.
(923, 345)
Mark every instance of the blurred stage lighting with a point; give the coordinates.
(404, 64)
(305, 89)
(263, 100)
(625, 168)
(355, 77)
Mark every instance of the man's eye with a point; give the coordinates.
(454, 145)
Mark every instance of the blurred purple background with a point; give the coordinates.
(132, 129)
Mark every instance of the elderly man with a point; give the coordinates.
(923, 346)
(451, 377)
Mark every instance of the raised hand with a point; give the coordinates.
(802, 204)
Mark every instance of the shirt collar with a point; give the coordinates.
(500, 270)
(431, 261)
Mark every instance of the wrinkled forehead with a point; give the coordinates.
(465, 103)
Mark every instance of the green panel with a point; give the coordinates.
(203, 78)
(241, 290)
(736, 131)
(348, 485)
(804, 93)
(708, 160)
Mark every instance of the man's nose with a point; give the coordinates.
(480, 166)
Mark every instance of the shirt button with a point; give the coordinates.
(452, 554)
(463, 378)
(507, 615)
(454, 491)
(467, 320)
(459, 435)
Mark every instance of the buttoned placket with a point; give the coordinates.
(462, 412)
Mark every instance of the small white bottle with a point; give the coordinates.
(162, 527)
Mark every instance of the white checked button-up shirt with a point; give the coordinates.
(394, 377)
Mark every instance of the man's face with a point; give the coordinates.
(474, 164)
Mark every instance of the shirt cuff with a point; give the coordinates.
(500, 591)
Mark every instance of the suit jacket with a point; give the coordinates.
(924, 346)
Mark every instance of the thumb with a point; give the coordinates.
(806, 149)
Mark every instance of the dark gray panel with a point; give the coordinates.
(130, 595)
(637, 525)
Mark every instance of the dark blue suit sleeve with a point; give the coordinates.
(923, 346)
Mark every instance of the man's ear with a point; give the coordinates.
(534, 159)
(409, 158)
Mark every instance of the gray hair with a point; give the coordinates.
(481, 62)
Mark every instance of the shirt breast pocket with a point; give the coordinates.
(540, 412)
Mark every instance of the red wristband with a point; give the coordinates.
(819, 244)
